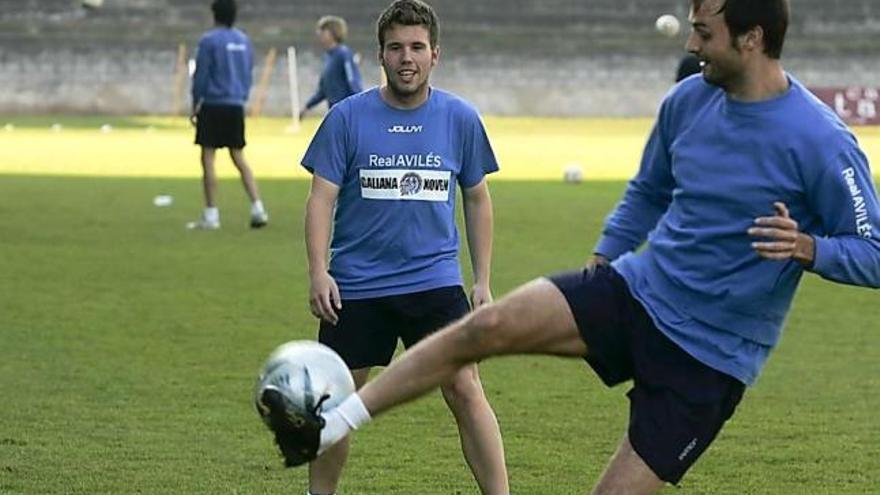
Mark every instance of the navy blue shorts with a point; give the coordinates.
(367, 332)
(677, 404)
(220, 126)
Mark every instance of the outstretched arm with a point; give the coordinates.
(316, 98)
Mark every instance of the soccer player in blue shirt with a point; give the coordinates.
(220, 88)
(747, 181)
(386, 164)
(340, 77)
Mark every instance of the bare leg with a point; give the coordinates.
(478, 430)
(627, 474)
(326, 470)
(534, 318)
(209, 176)
(247, 176)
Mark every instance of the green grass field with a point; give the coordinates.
(129, 346)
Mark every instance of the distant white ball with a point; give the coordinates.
(92, 4)
(56, 127)
(163, 200)
(667, 25)
(306, 373)
(573, 174)
(106, 128)
(8, 127)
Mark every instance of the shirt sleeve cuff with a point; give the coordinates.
(611, 247)
(823, 258)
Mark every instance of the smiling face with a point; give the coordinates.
(408, 58)
(722, 57)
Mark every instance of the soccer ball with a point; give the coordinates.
(308, 374)
(667, 25)
(92, 4)
(573, 174)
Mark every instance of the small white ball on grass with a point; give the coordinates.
(8, 127)
(667, 25)
(106, 128)
(56, 127)
(573, 174)
(163, 200)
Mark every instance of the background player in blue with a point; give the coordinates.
(389, 160)
(746, 181)
(340, 77)
(220, 88)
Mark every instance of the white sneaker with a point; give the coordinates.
(203, 224)
(259, 219)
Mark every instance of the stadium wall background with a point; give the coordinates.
(509, 57)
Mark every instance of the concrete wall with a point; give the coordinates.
(536, 57)
(132, 81)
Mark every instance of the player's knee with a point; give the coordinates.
(483, 331)
(463, 392)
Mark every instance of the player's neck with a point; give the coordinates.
(763, 81)
(405, 101)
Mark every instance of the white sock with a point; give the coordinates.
(212, 214)
(257, 208)
(348, 416)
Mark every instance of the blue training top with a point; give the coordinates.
(394, 226)
(224, 62)
(711, 166)
(340, 77)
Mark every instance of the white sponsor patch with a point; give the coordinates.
(236, 47)
(405, 184)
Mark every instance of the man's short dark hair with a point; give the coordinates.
(408, 13)
(742, 15)
(224, 12)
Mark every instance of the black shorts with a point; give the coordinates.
(368, 329)
(220, 126)
(677, 404)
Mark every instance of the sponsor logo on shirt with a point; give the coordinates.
(406, 161)
(405, 129)
(405, 185)
(860, 208)
(236, 47)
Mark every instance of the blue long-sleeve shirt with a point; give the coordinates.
(340, 77)
(710, 167)
(224, 66)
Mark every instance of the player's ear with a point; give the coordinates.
(435, 55)
(753, 39)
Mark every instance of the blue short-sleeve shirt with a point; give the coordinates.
(397, 170)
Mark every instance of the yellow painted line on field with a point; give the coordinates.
(527, 148)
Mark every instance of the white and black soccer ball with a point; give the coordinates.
(307, 374)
